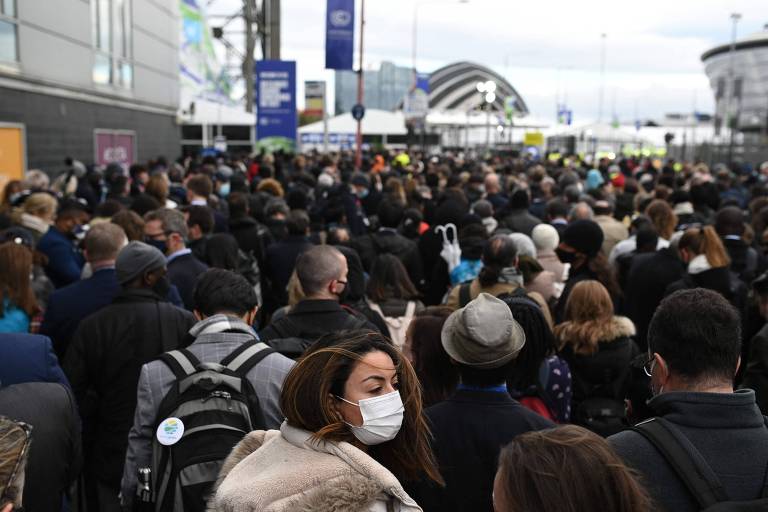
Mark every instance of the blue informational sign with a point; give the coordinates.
(358, 112)
(422, 82)
(339, 34)
(276, 120)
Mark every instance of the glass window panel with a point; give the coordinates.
(126, 74)
(102, 69)
(7, 41)
(118, 27)
(127, 29)
(95, 23)
(9, 8)
(105, 26)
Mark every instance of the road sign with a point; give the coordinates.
(358, 112)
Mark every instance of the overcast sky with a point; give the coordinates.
(546, 49)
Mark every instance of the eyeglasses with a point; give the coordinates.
(648, 365)
(27, 430)
(341, 282)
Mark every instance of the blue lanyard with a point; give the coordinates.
(502, 388)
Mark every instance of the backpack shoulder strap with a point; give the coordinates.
(410, 310)
(464, 294)
(182, 363)
(375, 307)
(246, 356)
(687, 463)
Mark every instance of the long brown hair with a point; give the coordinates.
(663, 218)
(15, 285)
(567, 469)
(588, 307)
(705, 241)
(389, 280)
(308, 390)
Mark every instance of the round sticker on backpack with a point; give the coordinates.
(170, 431)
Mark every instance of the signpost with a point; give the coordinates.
(358, 112)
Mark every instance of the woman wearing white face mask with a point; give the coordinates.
(354, 430)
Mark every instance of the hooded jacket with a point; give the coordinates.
(282, 471)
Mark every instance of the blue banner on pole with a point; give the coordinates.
(422, 81)
(276, 121)
(339, 34)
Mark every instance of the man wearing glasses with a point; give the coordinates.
(715, 438)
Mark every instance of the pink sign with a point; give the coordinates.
(114, 147)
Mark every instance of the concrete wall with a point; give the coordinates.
(60, 127)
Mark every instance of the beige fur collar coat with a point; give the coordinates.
(281, 471)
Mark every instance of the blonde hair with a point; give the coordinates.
(705, 241)
(40, 205)
(295, 291)
(588, 309)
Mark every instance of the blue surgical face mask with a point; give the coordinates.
(224, 189)
(362, 193)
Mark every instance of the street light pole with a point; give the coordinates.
(735, 17)
(359, 135)
(602, 78)
(415, 34)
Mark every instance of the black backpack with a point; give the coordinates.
(218, 406)
(603, 411)
(694, 471)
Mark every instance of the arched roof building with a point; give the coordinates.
(453, 87)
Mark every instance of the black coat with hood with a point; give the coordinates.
(605, 373)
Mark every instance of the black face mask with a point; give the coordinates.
(565, 256)
(162, 287)
(344, 293)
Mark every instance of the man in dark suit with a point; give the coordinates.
(167, 231)
(282, 256)
(105, 358)
(472, 426)
(64, 261)
(68, 305)
(28, 358)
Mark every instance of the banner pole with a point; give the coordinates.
(359, 136)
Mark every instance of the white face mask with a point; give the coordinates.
(382, 418)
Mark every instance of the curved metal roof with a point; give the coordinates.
(453, 87)
(756, 40)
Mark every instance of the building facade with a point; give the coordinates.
(739, 81)
(384, 89)
(96, 80)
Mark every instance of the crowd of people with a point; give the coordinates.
(284, 332)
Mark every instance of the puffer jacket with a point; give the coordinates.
(282, 471)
